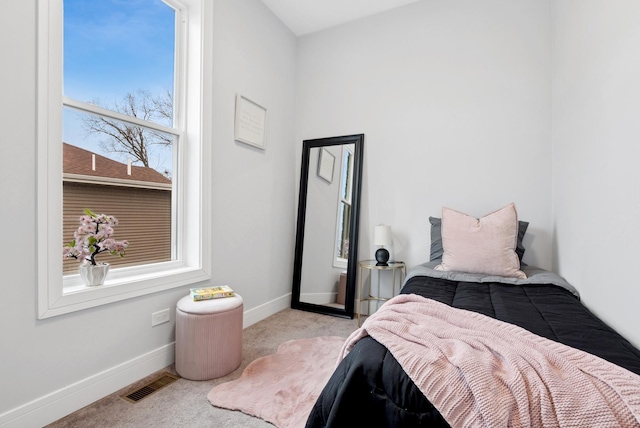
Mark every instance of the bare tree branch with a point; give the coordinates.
(129, 139)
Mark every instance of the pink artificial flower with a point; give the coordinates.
(93, 237)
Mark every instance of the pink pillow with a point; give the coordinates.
(486, 245)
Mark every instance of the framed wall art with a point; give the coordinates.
(250, 122)
(326, 163)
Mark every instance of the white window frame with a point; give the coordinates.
(346, 151)
(192, 266)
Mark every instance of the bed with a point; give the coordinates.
(371, 386)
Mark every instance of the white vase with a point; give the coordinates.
(94, 275)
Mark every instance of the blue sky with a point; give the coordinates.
(111, 48)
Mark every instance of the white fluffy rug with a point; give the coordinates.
(283, 387)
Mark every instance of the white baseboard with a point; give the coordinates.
(265, 310)
(60, 403)
(53, 406)
(318, 298)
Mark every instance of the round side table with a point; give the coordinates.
(372, 265)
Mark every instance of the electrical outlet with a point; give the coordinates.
(160, 317)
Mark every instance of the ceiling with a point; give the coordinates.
(308, 16)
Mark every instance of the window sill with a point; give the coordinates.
(72, 295)
(340, 263)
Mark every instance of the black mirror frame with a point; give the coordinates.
(352, 269)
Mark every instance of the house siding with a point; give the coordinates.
(144, 217)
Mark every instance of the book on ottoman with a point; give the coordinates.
(208, 293)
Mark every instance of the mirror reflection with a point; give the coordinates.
(325, 259)
(324, 269)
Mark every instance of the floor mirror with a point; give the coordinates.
(325, 261)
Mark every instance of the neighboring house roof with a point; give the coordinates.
(79, 162)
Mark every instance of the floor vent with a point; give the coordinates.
(144, 391)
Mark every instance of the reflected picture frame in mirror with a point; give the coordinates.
(338, 223)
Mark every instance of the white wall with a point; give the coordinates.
(253, 216)
(52, 367)
(454, 101)
(596, 100)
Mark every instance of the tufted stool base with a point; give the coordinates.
(208, 337)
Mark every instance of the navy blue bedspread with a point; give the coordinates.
(370, 387)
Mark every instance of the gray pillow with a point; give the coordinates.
(436, 239)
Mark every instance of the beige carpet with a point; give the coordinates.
(184, 403)
(283, 387)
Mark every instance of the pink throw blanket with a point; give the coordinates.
(478, 371)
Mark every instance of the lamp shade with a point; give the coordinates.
(382, 235)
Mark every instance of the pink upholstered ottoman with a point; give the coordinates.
(208, 337)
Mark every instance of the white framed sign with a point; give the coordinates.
(326, 164)
(250, 123)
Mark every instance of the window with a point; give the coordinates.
(344, 207)
(136, 154)
(120, 146)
